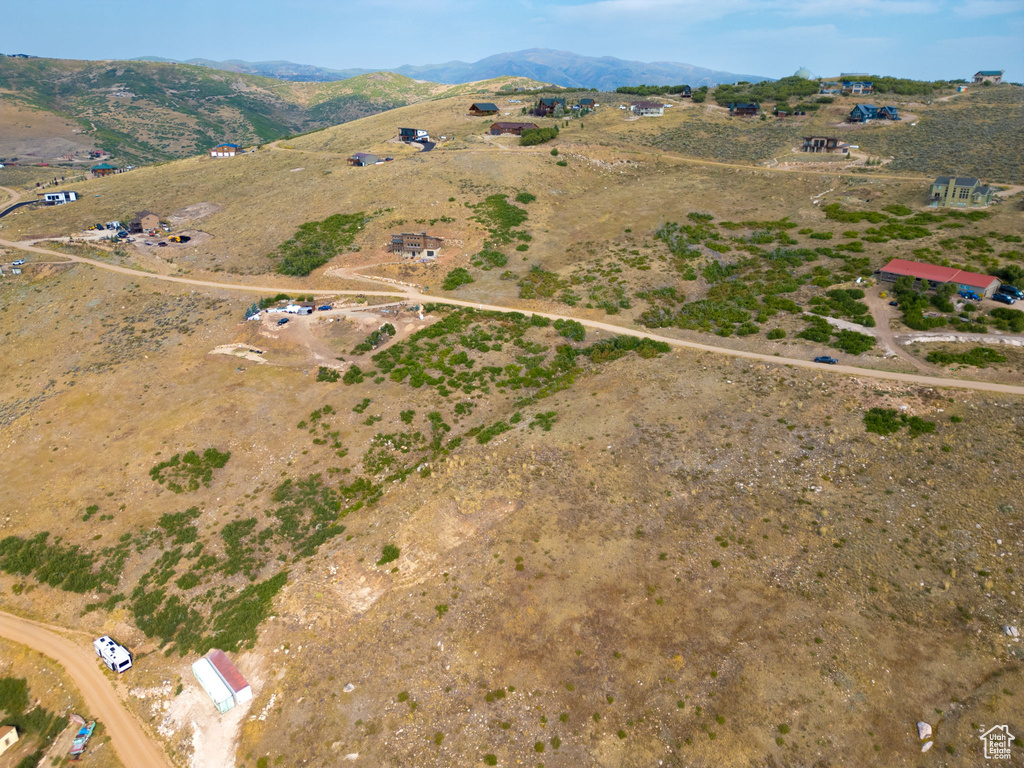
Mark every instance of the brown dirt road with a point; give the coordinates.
(415, 297)
(129, 740)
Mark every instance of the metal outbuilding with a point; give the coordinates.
(229, 674)
(214, 685)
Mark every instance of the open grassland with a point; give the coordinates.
(730, 569)
(475, 537)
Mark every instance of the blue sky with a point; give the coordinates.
(926, 39)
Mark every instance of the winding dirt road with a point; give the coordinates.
(414, 297)
(133, 746)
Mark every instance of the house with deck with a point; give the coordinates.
(415, 245)
(58, 198)
(856, 87)
(483, 108)
(587, 104)
(546, 107)
(103, 169)
(511, 129)
(959, 192)
(994, 76)
(647, 108)
(863, 113)
(359, 159)
(889, 113)
(413, 134)
(750, 109)
(934, 275)
(144, 221)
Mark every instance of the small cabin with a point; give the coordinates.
(58, 198)
(8, 737)
(225, 150)
(546, 107)
(745, 110)
(822, 144)
(587, 104)
(103, 169)
(889, 113)
(360, 159)
(994, 76)
(483, 108)
(511, 129)
(144, 221)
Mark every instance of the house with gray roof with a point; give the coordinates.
(959, 192)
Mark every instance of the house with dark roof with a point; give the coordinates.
(889, 113)
(750, 109)
(687, 92)
(359, 159)
(647, 108)
(104, 169)
(413, 134)
(483, 108)
(994, 76)
(959, 192)
(547, 107)
(934, 275)
(856, 87)
(587, 104)
(144, 221)
(863, 113)
(225, 150)
(511, 129)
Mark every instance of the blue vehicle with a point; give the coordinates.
(1003, 298)
(324, 308)
(826, 359)
(965, 294)
(283, 321)
(1011, 290)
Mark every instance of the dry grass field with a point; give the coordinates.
(491, 541)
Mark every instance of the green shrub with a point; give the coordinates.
(776, 333)
(888, 421)
(525, 198)
(187, 472)
(532, 136)
(317, 242)
(456, 278)
(327, 374)
(980, 357)
(571, 329)
(388, 554)
(354, 375)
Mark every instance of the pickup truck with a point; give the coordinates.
(826, 359)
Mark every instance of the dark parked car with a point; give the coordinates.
(1011, 290)
(1003, 298)
(324, 308)
(826, 359)
(283, 321)
(894, 303)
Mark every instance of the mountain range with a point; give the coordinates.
(570, 70)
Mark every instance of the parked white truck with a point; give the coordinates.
(115, 656)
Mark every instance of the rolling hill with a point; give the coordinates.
(455, 536)
(563, 68)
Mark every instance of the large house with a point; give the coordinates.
(959, 192)
(587, 104)
(863, 113)
(823, 144)
(856, 87)
(547, 107)
(994, 76)
(512, 129)
(144, 221)
(58, 198)
(933, 275)
(483, 108)
(413, 134)
(647, 108)
(752, 109)
(416, 244)
(225, 150)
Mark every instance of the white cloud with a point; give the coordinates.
(976, 9)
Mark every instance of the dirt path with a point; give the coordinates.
(882, 332)
(414, 297)
(129, 740)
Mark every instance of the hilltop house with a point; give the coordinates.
(8, 737)
(647, 108)
(414, 245)
(512, 129)
(547, 107)
(360, 159)
(587, 104)
(889, 113)
(959, 192)
(225, 150)
(857, 87)
(823, 144)
(103, 169)
(144, 221)
(483, 108)
(687, 92)
(994, 76)
(933, 275)
(863, 113)
(413, 134)
(830, 87)
(58, 198)
(751, 109)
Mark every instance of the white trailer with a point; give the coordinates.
(115, 656)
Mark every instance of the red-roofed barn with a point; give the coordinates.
(935, 275)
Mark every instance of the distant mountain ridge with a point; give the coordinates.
(570, 70)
